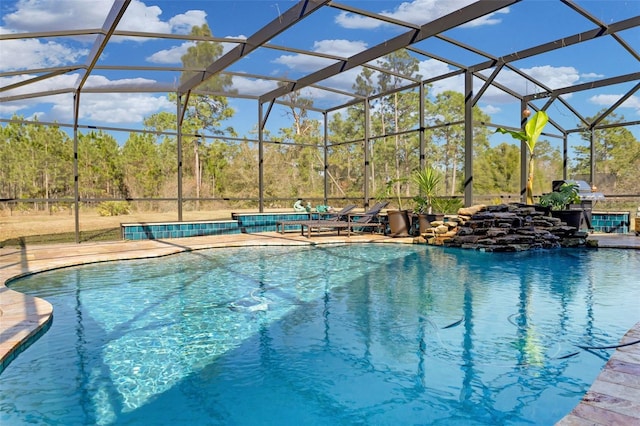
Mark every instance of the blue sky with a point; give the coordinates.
(330, 31)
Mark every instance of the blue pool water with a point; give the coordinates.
(327, 335)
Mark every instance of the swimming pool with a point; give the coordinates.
(355, 334)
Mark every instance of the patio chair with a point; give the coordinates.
(368, 219)
(341, 215)
(332, 219)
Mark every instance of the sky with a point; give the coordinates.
(330, 31)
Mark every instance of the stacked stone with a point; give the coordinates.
(503, 228)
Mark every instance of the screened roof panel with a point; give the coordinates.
(416, 13)
(315, 46)
(332, 37)
(129, 81)
(631, 37)
(252, 86)
(591, 60)
(521, 26)
(609, 11)
(225, 18)
(44, 52)
(53, 16)
(442, 49)
(274, 62)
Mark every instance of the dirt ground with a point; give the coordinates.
(26, 224)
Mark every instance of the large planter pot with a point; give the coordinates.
(435, 216)
(399, 223)
(570, 217)
(587, 214)
(425, 219)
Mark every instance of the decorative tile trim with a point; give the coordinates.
(610, 222)
(266, 222)
(240, 223)
(163, 230)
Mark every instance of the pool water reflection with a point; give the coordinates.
(371, 334)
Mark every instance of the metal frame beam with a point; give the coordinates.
(454, 19)
(563, 42)
(281, 23)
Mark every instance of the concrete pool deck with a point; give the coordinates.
(614, 398)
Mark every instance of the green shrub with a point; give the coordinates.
(114, 208)
(447, 205)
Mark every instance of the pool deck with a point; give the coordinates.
(614, 397)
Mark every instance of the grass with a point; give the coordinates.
(18, 229)
(109, 234)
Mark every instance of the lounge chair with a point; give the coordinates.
(368, 219)
(330, 217)
(337, 222)
(341, 215)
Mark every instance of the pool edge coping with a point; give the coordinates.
(32, 323)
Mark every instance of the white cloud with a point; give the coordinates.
(172, 55)
(70, 82)
(99, 81)
(105, 107)
(339, 47)
(140, 17)
(25, 107)
(39, 15)
(307, 63)
(111, 108)
(122, 107)
(490, 19)
(52, 15)
(490, 109)
(553, 77)
(33, 53)
(343, 81)
(332, 97)
(303, 63)
(183, 23)
(608, 100)
(253, 86)
(257, 87)
(351, 21)
(59, 82)
(423, 11)
(591, 75)
(432, 68)
(8, 109)
(418, 12)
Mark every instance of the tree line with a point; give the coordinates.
(37, 160)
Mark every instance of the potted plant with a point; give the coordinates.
(559, 201)
(530, 134)
(399, 221)
(427, 181)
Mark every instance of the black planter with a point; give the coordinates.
(399, 223)
(570, 217)
(435, 216)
